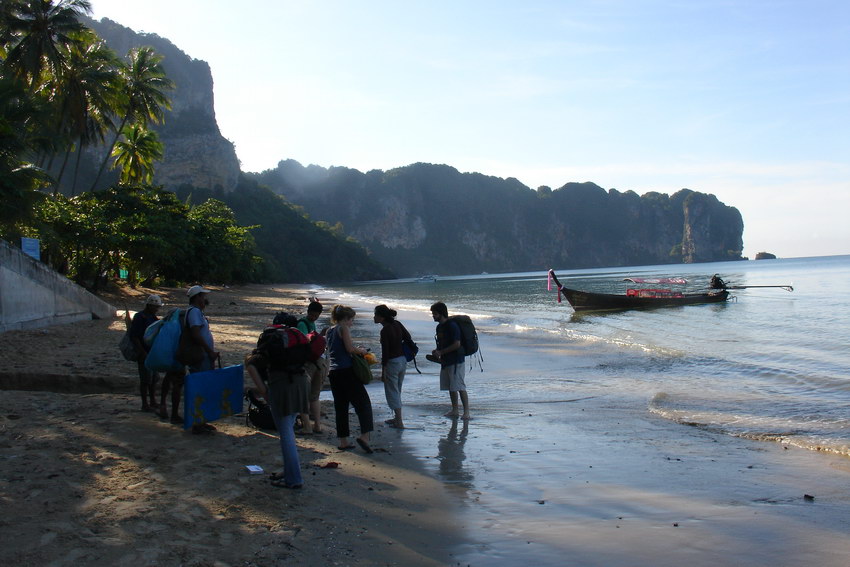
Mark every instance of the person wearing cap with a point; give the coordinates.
(147, 378)
(199, 329)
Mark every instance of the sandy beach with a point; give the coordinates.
(87, 477)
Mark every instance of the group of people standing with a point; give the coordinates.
(198, 326)
(293, 390)
(286, 390)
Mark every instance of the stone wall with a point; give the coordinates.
(32, 295)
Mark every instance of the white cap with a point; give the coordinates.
(195, 290)
(154, 299)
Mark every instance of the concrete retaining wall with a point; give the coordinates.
(32, 295)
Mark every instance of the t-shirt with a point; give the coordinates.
(306, 326)
(195, 318)
(141, 321)
(447, 334)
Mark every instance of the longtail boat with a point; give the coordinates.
(640, 299)
(649, 298)
(635, 298)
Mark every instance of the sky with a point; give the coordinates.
(748, 100)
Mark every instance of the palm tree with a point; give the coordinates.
(85, 92)
(37, 33)
(19, 180)
(136, 154)
(144, 86)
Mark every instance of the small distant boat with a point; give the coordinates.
(426, 279)
(666, 281)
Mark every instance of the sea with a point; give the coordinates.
(560, 398)
(770, 364)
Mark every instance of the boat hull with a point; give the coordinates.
(588, 301)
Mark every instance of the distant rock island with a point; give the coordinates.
(765, 256)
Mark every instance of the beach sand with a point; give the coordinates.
(588, 479)
(87, 478)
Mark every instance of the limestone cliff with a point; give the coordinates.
(432, 219)
(195, 151)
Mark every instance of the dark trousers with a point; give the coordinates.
(348, 390)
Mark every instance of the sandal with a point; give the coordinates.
(365, 446)
(280, 483)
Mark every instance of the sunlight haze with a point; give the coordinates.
(745, 100)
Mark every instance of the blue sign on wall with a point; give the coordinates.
(30, 247)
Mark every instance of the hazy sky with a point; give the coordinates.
(748, 100)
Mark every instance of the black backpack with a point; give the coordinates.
(468, 339)
(259, 413)
(468, 334)
(286, 348)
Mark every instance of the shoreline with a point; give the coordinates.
(584, 480)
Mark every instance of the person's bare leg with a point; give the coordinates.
(176, 394)
(306, 429)
(166, 384)
(454, 410)
(464, 398)
(316, 411)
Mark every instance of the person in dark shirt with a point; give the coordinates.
(450, 354)
(393, 361)
(147, 378)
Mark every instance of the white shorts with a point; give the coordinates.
(451, 378)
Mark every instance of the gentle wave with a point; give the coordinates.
(771, 366)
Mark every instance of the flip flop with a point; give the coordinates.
(365, 446)
(280, 483)
(346, 448)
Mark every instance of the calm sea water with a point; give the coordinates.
(768, 365)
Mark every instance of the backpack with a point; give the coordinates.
(286, 348)
(128, 349)
(259, 413)
(153, 329)
(468, 334)
(164, 342)
(409, 348)
(318, 344)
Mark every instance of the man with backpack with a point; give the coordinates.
(196, 327)
(316, 369)
(450, 354)
(147, 378)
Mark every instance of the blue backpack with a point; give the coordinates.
(164, 337)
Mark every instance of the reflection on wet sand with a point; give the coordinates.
(452, 456)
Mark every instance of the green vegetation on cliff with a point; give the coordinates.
(426, 218)
(294, 248)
